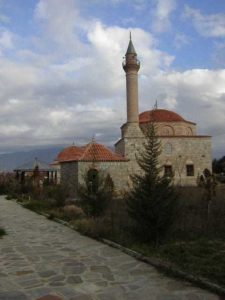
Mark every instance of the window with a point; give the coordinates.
(190, 170)
(168, 148)
(93, 180)
(168, 172)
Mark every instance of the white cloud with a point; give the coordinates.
(181, 40)
(6, 40)
(13, 130)
(162, 14)
(207, 25)
(199, 94)
(56, 98)
(77, 97)
(218, 55)
(62, 24)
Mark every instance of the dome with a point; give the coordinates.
(90, 152)
(161, 115)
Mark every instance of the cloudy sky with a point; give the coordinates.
(61, 78)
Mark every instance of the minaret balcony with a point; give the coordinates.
(131, 61)
(131, 65)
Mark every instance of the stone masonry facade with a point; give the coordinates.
(177, 152)
(73, 173)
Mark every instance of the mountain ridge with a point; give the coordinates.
(10, 161)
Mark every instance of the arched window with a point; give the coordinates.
(167, 130)
(93, 178)
(189, 131)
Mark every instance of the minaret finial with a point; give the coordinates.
(156, 104)
(130, 36)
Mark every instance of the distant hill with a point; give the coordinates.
(8, 162)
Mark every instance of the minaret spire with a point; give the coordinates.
(130, 48)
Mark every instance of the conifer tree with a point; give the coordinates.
(152, 201)
(96, 193)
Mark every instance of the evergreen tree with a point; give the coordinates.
(152, 201)
(96, 193)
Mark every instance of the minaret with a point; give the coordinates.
(131, 66)
(131, 134)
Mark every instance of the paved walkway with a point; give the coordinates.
(41, 259)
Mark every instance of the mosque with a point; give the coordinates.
(184, 154)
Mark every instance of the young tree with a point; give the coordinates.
(36, 176)
(152, 201)
(96, 193)
(208, 182)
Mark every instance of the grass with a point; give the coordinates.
(202, 258)
(57, 213)
(37, 205)
(44, 206)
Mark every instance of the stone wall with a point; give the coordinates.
(118, 170)
(72, 174)
(69, 176)
(181, 151)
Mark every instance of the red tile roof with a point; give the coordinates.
(161, 115)
(90, 152)
(69, 152)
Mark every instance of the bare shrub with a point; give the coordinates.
(9, 184)
(56, 192)
(70, 201)
(73, 211)
(96, 228)
(192, 222)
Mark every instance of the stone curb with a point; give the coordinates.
(162, 266)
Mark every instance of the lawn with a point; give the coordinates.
(201, 258)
